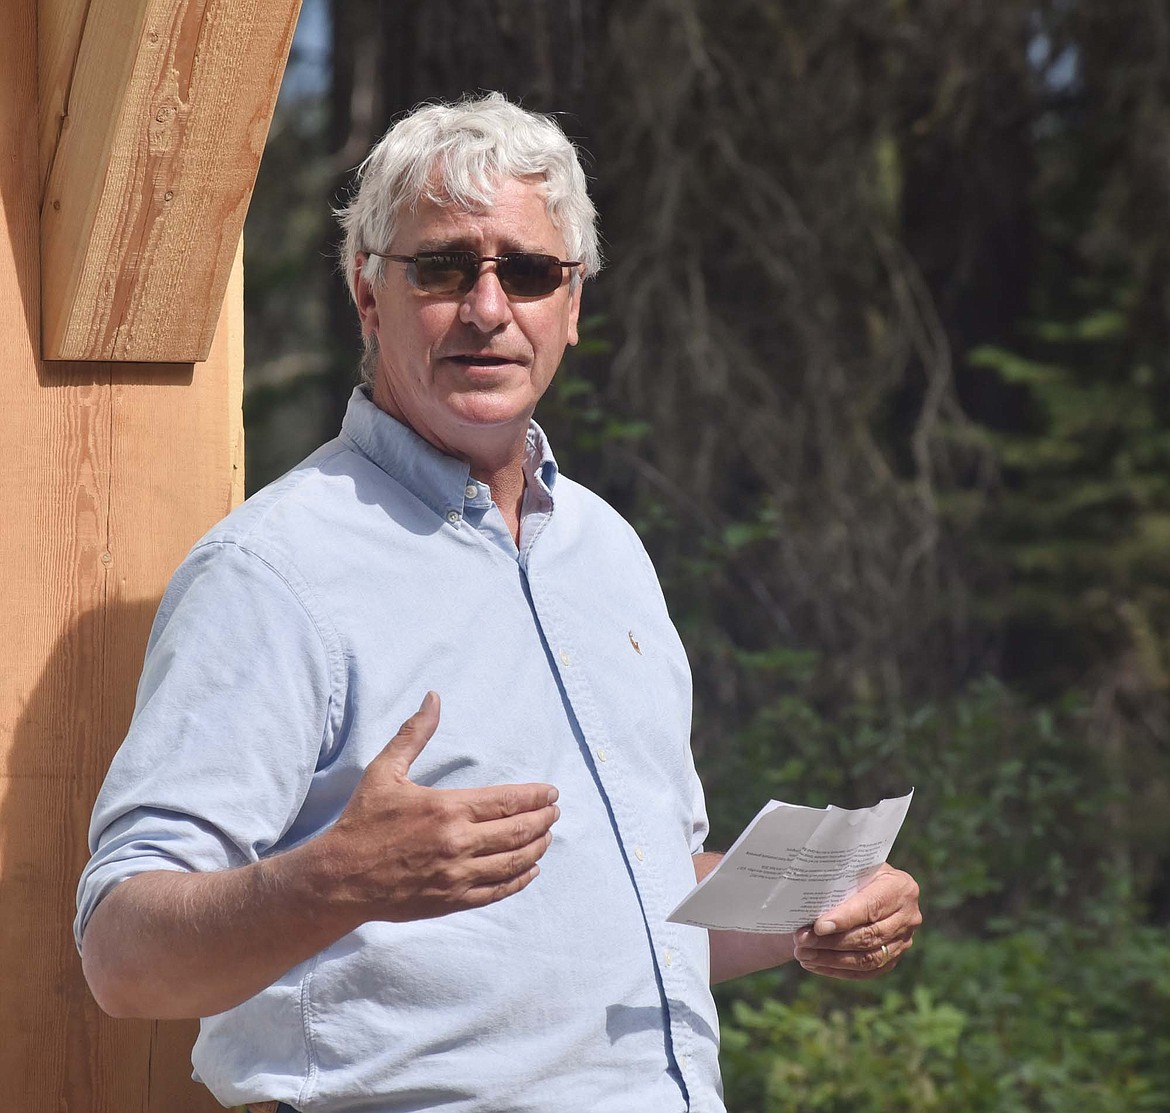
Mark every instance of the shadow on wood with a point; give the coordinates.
(57, 1046)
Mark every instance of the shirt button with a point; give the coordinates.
(565, 658)
(601, 755)
(668, 957)
(639, 853)
(453, 516)
(471, 490)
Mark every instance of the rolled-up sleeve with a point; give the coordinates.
(237, 706)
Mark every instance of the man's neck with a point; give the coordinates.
(507, 487)
(498, 460)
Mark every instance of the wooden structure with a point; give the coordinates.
(130, 134)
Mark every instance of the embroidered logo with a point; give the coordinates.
(634, 643)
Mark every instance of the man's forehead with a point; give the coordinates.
(516, 212)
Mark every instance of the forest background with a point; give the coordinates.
(879, 367)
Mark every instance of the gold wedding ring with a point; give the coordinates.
(885, 954)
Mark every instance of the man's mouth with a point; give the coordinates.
(481, 360)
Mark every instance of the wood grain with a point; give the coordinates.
(153, 119)
(112, 471)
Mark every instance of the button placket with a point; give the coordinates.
(636, 841)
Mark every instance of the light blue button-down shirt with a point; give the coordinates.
(292, 643)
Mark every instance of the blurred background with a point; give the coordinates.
(879, 367)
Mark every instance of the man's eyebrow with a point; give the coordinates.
(464, 244)
(444, 245)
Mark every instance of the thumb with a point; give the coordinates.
(413, 735)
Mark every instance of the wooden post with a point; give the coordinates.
(112, 471)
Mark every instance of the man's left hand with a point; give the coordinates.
(867, 933)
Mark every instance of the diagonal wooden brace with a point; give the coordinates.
(153, 117)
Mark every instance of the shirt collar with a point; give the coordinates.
(539, 464)
(440, 481)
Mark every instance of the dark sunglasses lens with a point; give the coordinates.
(523, 274)
(528, 275)
(446, 272)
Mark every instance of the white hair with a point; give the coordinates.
(458, 154)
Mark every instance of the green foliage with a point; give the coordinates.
(1007, 820)
(1074, 534)
(1065, 1018)
(1082, 518)
(897, 1054)
(573, 411)
(1032, 985)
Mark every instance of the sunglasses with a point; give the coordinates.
(522, 274)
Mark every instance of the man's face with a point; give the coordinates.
(465, 371)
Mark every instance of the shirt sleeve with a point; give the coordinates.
(235, 710)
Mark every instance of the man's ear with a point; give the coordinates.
(367, 305)
(574, 310)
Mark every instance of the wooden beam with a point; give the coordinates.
(120, 468)
(153, 116)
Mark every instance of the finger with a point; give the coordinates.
(853, 964)
(863, 958)
(850, 975)
(474, 880)
(488, 894)
(499, 836)
(498, 869)
(413, 735)
(502, 801)
(867, 937)
(887, 891)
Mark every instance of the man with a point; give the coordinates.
(472, 916)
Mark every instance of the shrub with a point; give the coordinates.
(1067, 1019)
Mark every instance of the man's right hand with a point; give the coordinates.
(166, 944)
(406, 852)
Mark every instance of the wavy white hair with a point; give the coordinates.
(458, 154)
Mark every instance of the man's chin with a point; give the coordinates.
(490, 410)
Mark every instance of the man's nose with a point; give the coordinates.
(486, 305)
